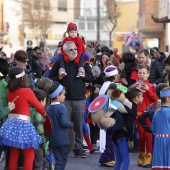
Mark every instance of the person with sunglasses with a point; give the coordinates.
(34, 61)
(21, 60)
(73, 36)
(75, 91)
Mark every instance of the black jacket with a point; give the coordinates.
(129, 68)
(29, 74)
(124, 126)
(75, 87)
(156, 72)
(35, 66)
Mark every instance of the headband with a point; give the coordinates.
(122, 88)
(20, 74)
(165, 93)
(56, 92)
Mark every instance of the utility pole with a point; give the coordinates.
(98, 21)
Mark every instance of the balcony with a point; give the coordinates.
(147, 27)
(161, 11)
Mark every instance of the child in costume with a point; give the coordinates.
(122, 131)
(59, 139)
(161, 129)
(149, 96)
(94, 129)
(107, 157)
(17, 132)
(74, 37)
(149, 112)
(85, 128)
(38, 121)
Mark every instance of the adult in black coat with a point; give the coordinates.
(154, 63)
(75, 91)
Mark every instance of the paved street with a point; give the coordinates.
(91, 163)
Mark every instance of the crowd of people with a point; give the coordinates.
(35, 87)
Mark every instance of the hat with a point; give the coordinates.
(115, 86)
(112, 86)
(154, 50)
(72, 26)
(105, 50)
(110, 71)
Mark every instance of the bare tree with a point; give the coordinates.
(36, 15)
(113, 14)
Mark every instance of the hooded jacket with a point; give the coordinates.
(28, 72)
(156, 71)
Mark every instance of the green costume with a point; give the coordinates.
(4, 110)
(38, 121)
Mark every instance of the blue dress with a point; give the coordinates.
(161, 128)
(19, 134)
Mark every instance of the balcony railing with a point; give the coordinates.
(161, 11)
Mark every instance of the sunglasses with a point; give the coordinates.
(71, 49)
(23, 61)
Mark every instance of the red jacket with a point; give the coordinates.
(148, 97)
(79, 44)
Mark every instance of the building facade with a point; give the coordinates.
(61, 13)
(161, 15)
(21, 31)
(147, 27)
(86, 19)
(127, 23)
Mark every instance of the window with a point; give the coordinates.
(37, 5)
(101, 26)
(90, 26)
(62, 5)
(81, 26)
(46, 5)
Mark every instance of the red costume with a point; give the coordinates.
(22, 104)
(78, 42)
(22, 107)
(145, 138)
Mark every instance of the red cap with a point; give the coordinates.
(72, 26)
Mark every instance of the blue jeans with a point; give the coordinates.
(61, 156)
(121, 154)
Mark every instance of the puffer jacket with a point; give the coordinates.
(29, 74)
(156, 71)
(166, 74)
